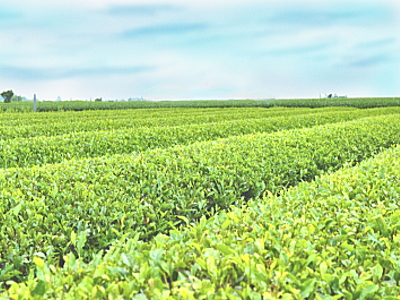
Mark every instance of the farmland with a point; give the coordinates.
(222, 200)
(48, 106)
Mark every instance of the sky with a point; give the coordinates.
(208, 49)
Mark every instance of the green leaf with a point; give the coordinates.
(17, 209)
(307, 287)
(86, 284)
(225, 249)
(368, 291)
(126, 260)
(323, 267)
(377, 272)
(73, 237)
(40, 288)
(81, 242)
(348, 247)
(40, 264)
(156, 254)
(186, 220)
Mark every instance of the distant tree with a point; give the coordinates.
(16, 98)
(7, 96)
(98, 99)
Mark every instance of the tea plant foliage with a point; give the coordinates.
(334, 238)
(201, 203)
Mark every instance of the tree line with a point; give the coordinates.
(9, 96)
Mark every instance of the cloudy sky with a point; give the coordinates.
(208, 49)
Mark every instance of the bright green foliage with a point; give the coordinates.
(192, 203)
(335, 238)
(51, 124)
(44, 208)
(23, 152)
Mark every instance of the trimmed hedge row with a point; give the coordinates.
(45, 210)
(85, 105)
(22, 126)
(24, 152)
(335, 238)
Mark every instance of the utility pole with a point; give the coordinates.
(34, 103)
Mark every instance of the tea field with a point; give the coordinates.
(201, 202)
(48, 106)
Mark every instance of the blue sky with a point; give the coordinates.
(176, 49)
